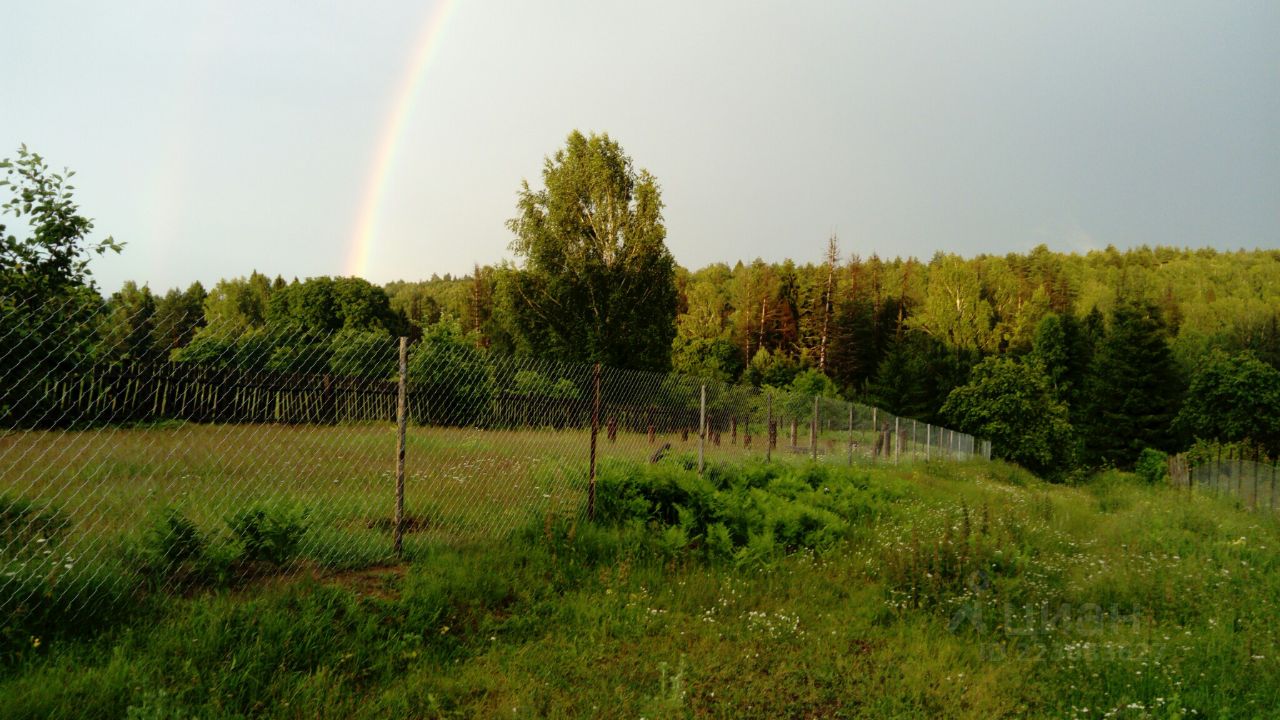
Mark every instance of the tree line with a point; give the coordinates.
(1063, 360)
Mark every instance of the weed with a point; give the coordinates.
(28, 527)
(268, 533)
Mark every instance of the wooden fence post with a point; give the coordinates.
(595, 430)
(772, 432)
(328, 407)
(401, 419)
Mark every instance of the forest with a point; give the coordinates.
(1063, 360)
(1066, 362)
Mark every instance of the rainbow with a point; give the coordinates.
(389, 140)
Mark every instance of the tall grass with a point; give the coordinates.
(753, 590)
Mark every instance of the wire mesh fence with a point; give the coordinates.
(1252, 481)
(135, 455)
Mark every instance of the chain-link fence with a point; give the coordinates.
(162, 451)
(1252, 481)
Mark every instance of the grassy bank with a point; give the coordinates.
(794, 591)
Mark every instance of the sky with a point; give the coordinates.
(389, 139)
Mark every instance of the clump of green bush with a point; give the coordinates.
(1152, 466)
(749, 514)
(172, 552)
(268, 534)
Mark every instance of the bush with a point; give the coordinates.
(451, 378)
(269, 534)
(175, 538)
(753, 518)
(1152, 466)
(168, 550)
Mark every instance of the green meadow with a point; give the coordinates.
(786, 589)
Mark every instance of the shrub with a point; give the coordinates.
(1152, 466)
(619, 495)
(719, 543)
(762, 513)
(166, 553)
(175, 538)
(270, 534)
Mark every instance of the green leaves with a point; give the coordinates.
(1011, 404)
(1233, 397)
(598, 283)
(54, 258)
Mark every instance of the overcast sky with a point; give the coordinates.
(219, 137)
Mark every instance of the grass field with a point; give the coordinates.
(86, 517)
(463, 483)
(935, 590)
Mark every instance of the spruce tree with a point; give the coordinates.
(1133, 390)
(1063, 348)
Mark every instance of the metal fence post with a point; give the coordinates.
(1217, 467)
(1253, 497)
(850, 434)
(1239, 473)
(928, 440)
(875, 428)
(702, 427)
(813, 431)
(897, 440)
(595, 430)
(398, 520)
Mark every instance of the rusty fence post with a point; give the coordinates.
(595, 430)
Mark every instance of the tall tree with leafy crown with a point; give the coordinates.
(597, 281)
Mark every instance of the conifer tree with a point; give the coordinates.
(1133, 389)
